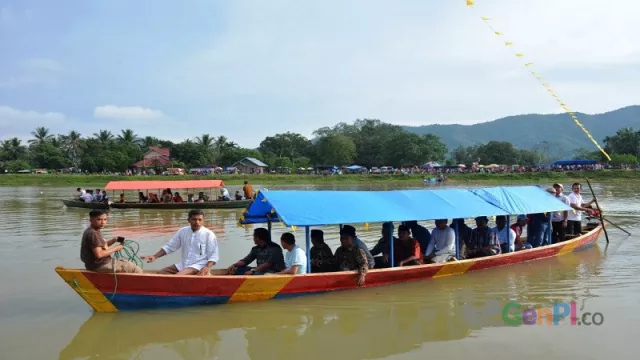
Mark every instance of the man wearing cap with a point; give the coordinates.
(483, 241)
(350, 257)
(559, 219)
(358, 243)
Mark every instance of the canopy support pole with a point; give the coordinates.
(269, 225)
(509, 233)
(457, 242)
(307, 233)
(549, 230)
(391, 246)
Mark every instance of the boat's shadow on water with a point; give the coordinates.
(368, 323)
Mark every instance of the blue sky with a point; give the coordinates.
(247, 69)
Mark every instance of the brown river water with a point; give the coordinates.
(459, 317)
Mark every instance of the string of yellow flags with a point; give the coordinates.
(538, 77)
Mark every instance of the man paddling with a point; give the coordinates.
(199, 248)
(95, 252)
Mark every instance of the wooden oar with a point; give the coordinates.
(609, 221)
(606, 236)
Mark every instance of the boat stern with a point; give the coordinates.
(86, 289)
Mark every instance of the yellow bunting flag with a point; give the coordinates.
(508, 43)
(366, 226)
(471, 4)
(293, 227)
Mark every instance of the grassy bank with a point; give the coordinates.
(99, 181)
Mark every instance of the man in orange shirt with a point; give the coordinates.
(248, 190)
(407, 250)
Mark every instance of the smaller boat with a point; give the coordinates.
(85, 205)
(147, 185)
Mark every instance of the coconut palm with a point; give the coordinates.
(104, 136)
(206, 141)
(127, 136)
(41, 135)
(13, 148)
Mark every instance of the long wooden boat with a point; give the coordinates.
(113, 292)
(144, 291)
(85, 205)
(215, 204)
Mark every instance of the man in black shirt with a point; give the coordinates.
(267, 254)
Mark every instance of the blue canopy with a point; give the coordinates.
(521, 199)
(574, 162)
(315, 208)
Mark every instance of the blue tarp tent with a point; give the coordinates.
(316, 208)
(521, 199)
(573, 162)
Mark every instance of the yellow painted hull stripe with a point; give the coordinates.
(85, 288)
(260, 287)
(454, 268)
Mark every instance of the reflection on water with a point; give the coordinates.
(41, 318)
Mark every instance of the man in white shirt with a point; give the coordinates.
(574, 220)
(506, 236)
(442, 247)
(199, 248)
(295, 259)
(224, 194)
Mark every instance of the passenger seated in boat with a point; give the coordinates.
(177, 198)
(153, 198)
(202, 197)
(464, 232)
(406, 251)
(358, 243)
(350, 257)
(442, 247)
(97, 196)
(141, 198)
(419, 233)
(382, 247)
(506, 236)
(189, 198)
(166, 196)
(322, 259)
(198, 244)
(95, 252)
(121, 198)
(483, 241)
(88, 196)
(224, 194)
(295, 259)
(266, 253)
(81, 192)
(238, 195)
(518, 228)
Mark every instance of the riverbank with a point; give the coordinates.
(99, 181)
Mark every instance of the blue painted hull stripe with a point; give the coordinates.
(134, 301)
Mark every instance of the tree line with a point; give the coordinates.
(367, 142)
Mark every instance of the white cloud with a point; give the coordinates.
(302, 65)
(127, 113)
(20, 123)
(33, 72)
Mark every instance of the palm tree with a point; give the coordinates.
(127, 136)
(13, 148)
(104, 136)
(149, 141)
(206, 141)
(72, 141)
(41, 135)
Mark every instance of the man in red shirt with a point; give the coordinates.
(407, 250)
(518, 227)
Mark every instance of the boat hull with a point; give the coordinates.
(149, 291)
(85, 205)
(231, 204)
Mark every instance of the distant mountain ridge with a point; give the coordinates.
(529, 131)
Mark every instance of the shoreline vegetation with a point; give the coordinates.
(271, 180)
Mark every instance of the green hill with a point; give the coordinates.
(530, 131)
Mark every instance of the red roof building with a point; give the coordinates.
(155, 157)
